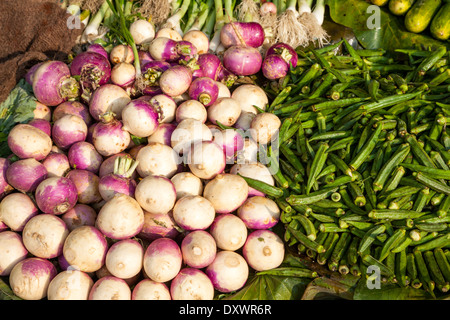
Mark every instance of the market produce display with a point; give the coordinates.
(194, 150)
(419, 16)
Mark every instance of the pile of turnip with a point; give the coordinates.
(130, 184)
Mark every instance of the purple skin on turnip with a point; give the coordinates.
(162, 260)
(119, 181)
(30, 278)
(98, 48)
(252, 33)
(176, 80)
(285, 51)
(68, 130)
(57, 164)
(42, 124)
(274, 67)
(204, 90)
(159, 225)
(26, 174)
(210, 65)
(93, 69)
(75, 108)
(242, 60)
(56, 195)
(83, 155)
(5, 187)
(110, 138)
(87, 184)
(164, 49)
(53, 83)
(80, 215)
(140, 118)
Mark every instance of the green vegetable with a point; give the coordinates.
(440, 25)
(420, 15)
(400, 7)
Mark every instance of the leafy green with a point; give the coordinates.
(18, 107)
(389, 291)
(6, 292)
(265, 287)
(391, 33)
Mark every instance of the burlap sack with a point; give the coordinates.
(31, 31)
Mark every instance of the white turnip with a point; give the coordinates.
(244, 121)
(120, 217)
(57, 164)
(147, 289)
(56, 195)
(159, 225)
(124, 258)
(110, 288)
(30, 278)
(42, 112)
(249, 153)
(12, 250)
(68, 130)
(199, 39)
(110, 138)
(191, 284)
(191, 109)
(16, 209)
(187, 184)
(87, 185)
(75, 108)
(264, 127)
(165, 106)
(198, 249)
(44, 236)
(193, 213)
(121, 53)
(108, 98)
(226, 192)
(250, 95)
(263, 250)
(123, 74)
(162, 134)
(228, 272)
(168, 33)
(259, 213)
(162, 260)
(140, 118)
(224, 110)
(26, 141)
(157, 159)
(85, 249)
(142, 31)
(187, 132)
(206, 159)
(156, 194)
(231, 141)
(256, 171)
(70, 285)
(229, 231)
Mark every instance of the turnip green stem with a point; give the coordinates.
(125, 166)
(202, 17)
(192, 14)
(174, 21)
(319, 11)
(91, 30)
(208, 28)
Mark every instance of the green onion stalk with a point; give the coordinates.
(208, 27)
(205, 9)
(289, 29)
(313, 19)
(192, 14)
(91, 32)
(224, 14)
(174, 21)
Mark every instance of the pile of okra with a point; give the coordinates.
(363, 162)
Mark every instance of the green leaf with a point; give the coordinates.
(266, 287)
(6, 292)
(390, 35)
(388, 291)
(18, 107)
